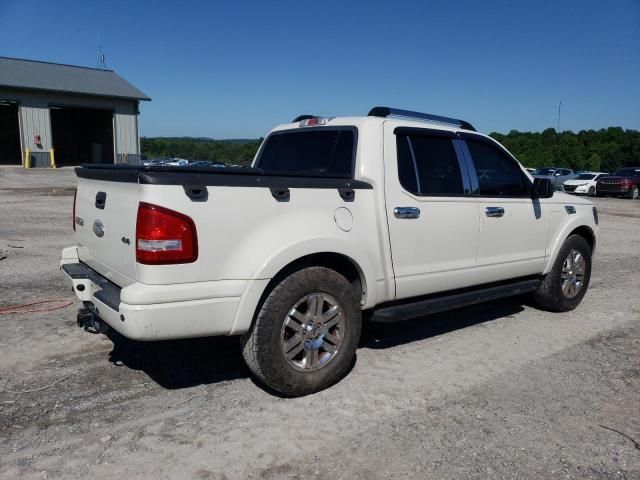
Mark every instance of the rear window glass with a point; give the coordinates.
(428, 165)
(315, 152)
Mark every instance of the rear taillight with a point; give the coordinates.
(73, 218)
(164, 236)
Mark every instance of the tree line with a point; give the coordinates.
(596, 150)
(605, 149)
(230, 152)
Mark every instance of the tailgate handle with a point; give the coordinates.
(197, 193)
(281, 194)
(101, 199)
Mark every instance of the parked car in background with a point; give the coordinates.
(584, 183)
(154, 162)
(557, 175)
(177, 162)
(532, 171)
(206, 164)
(624, 182)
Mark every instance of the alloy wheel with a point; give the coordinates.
(572, 275)
(312, 332)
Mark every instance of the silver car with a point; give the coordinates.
(557, 175)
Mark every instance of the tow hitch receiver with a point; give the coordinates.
(89, 320)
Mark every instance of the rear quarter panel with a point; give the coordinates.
(245, 233)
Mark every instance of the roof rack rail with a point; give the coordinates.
(299, 118)
(386, 112)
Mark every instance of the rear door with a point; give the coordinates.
(433, 220)
(106, 226)
(514, 227)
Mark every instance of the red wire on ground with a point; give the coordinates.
(25, 307)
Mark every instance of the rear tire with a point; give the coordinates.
(305, 334)
(564, 287)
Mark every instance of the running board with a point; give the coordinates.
(408, 311)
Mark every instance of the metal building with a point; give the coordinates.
(57, 115)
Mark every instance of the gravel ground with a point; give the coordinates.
(500, 390)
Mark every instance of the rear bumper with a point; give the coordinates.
(159, 312)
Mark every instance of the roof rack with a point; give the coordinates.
(386, 112)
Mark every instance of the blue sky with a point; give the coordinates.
(235, 69)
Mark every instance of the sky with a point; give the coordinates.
(236, 69)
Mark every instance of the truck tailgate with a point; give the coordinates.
(106, 227)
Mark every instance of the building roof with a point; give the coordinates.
(56, 77)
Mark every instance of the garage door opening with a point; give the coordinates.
(82, 135)
(10, 153)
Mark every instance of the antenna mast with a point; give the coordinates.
(102, 65)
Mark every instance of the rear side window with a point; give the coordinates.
(498, 174)
(428, 165)
(319, 152)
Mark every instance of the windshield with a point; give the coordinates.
(585, 176)
(545, 171)
(627, 172)
(322, 152)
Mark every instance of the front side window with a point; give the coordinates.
(498, 174)
(428, 165)
(319, 152)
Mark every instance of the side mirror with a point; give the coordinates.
(542, 188)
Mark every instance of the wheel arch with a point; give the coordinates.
(581, 229)
(588, 234)
(343, 264)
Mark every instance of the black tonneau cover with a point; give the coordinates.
(214, 176)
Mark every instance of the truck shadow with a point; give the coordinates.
(387, 335)
(180, 364)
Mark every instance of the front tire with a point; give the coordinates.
(564, 287)
(633, 194)
(305, 334)
(592, 191)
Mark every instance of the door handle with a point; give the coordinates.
(406, 212)
(494, 211)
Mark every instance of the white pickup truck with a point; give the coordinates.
(397, 213)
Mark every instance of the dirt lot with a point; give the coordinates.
(500, 390)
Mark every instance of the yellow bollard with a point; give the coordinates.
(27, 158)
(53, 159)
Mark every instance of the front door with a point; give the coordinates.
(514, 227)
(433, 221)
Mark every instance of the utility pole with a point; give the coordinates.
(559, 108)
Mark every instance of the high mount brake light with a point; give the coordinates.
(164, 236)
(313, 121)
